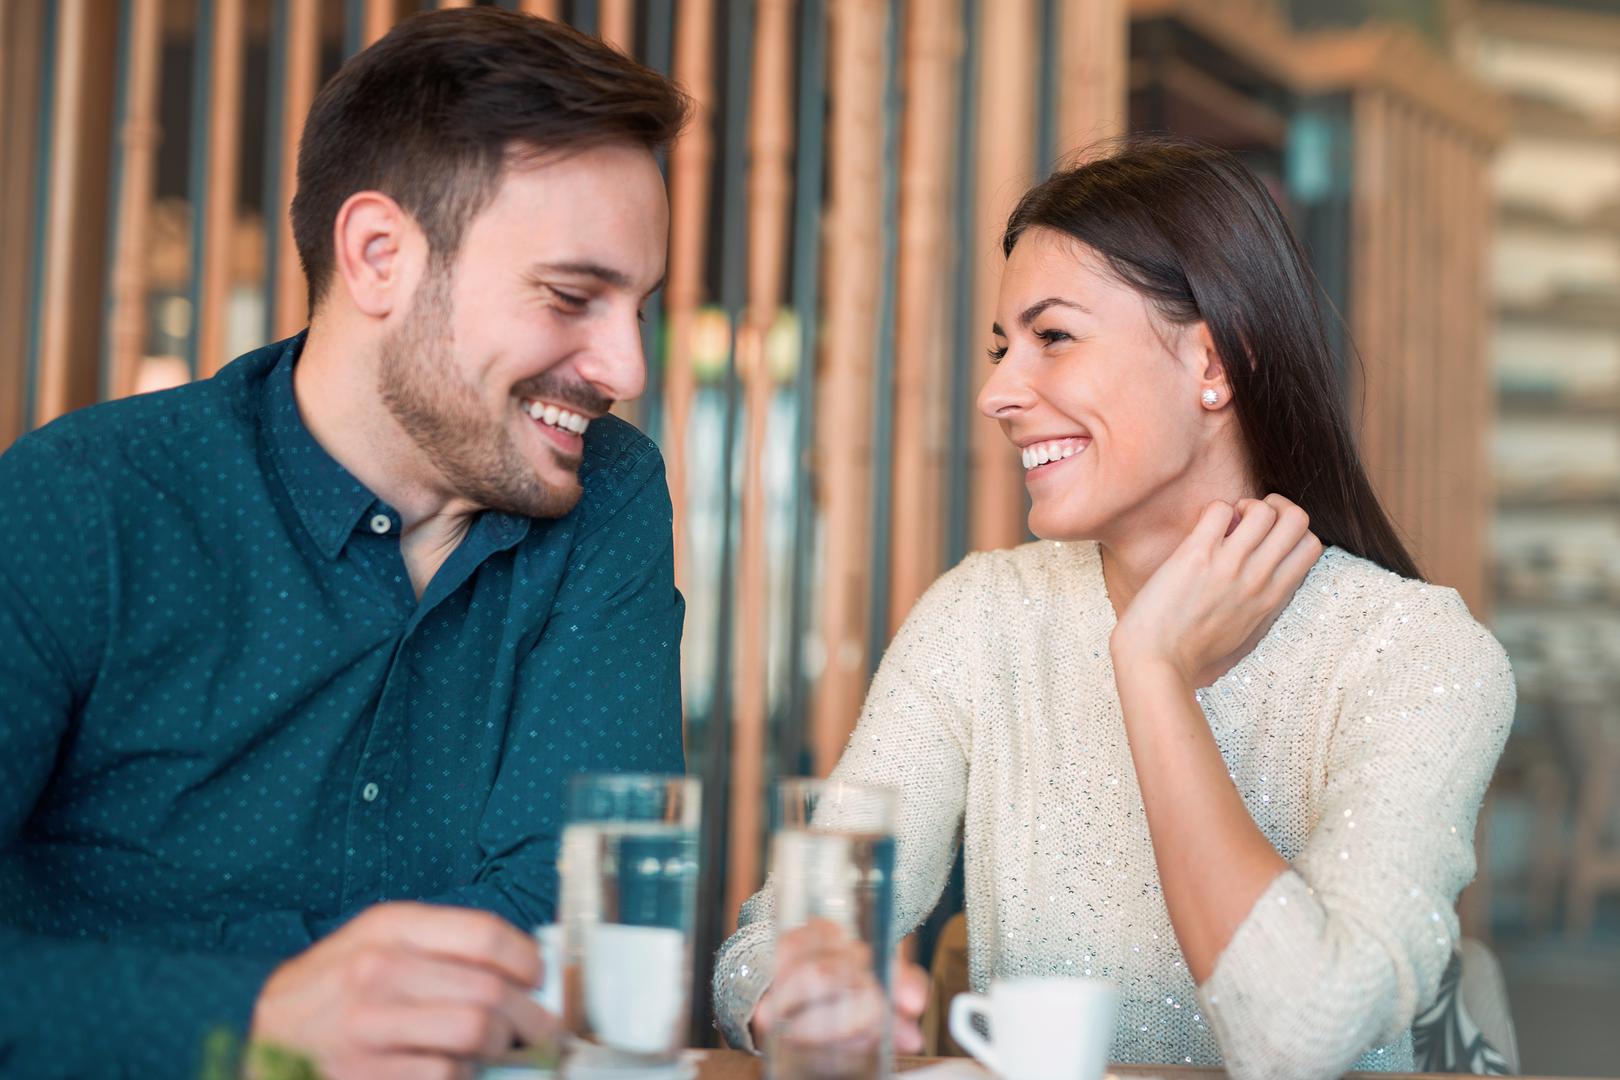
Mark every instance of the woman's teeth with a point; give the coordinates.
(1056, 450)
(555, 417)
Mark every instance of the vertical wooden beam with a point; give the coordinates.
(378, 18)
(844, 434)
(59, 303)
(1478, 221)
(218, 215)
(21, 35)
(618, 25)
(289, 291)
(138, 136)
(1367, 291)
(690, 162)
(1092, 59)
(769, 200)
(1006, 162)
(1411, 436)
(922, 359)
(546, 9)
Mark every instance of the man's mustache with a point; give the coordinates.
(577, 396)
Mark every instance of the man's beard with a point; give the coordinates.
(443, 414)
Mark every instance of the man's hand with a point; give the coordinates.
(825, 993)
(406, 990)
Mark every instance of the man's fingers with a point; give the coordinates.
(459, 1031)
(532, 1025)
(475, 937)
(417, 1067)
(402, 975)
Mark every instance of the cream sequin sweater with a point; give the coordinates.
(1361, 732)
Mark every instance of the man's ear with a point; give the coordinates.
(375, 244)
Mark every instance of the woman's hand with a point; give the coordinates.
(825, 995)
(1233, 572)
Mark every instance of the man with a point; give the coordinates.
(285, 649)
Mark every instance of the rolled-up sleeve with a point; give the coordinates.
(1343, 949)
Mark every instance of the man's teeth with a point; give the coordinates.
(558, 418)
(1041, 453)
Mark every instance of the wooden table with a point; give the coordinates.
(736, 1065)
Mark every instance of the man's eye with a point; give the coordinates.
(571, 300)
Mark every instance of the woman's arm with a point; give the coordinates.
(1344, 949)
(1214, 593)
(1213, 861)
(913, 738)
(1303, 968)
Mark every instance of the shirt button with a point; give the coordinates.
(369, 792)
(380, 524)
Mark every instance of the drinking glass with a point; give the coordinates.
(629, 866)
(832, 859)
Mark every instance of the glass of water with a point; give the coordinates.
(629, 866)
(832, 860)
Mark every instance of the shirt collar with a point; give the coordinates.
(326, 496)
(329, 500)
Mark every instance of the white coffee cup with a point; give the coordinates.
(1053, 1028)
(550, 991)
(635, 987)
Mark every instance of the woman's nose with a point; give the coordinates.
(1005, 393)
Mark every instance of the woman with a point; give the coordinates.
(1226, 756)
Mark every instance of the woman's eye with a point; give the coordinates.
(1049, 336)
(996, 353)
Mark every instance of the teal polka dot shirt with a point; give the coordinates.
(227, 723)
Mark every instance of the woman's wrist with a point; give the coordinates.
(1134, 658)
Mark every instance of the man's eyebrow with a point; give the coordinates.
(607, 275)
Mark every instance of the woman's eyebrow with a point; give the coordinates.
(1031, 313)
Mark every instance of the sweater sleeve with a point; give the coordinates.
(1343, 949)
(912, 737)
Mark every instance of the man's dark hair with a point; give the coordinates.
(432, 113)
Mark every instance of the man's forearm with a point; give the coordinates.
(87, 1008)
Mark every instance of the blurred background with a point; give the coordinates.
(1453, 167)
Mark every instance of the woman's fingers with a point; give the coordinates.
(1212, 525)
(805, 974)
(1293, 567)
(1287, 530)
(1258, 518)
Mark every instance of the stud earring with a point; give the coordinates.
(1211, 398)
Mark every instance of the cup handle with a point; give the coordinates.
(964, 1007)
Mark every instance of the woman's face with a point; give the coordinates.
(1101, 398)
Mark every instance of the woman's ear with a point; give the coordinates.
(1207, 366)
(373, 245)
